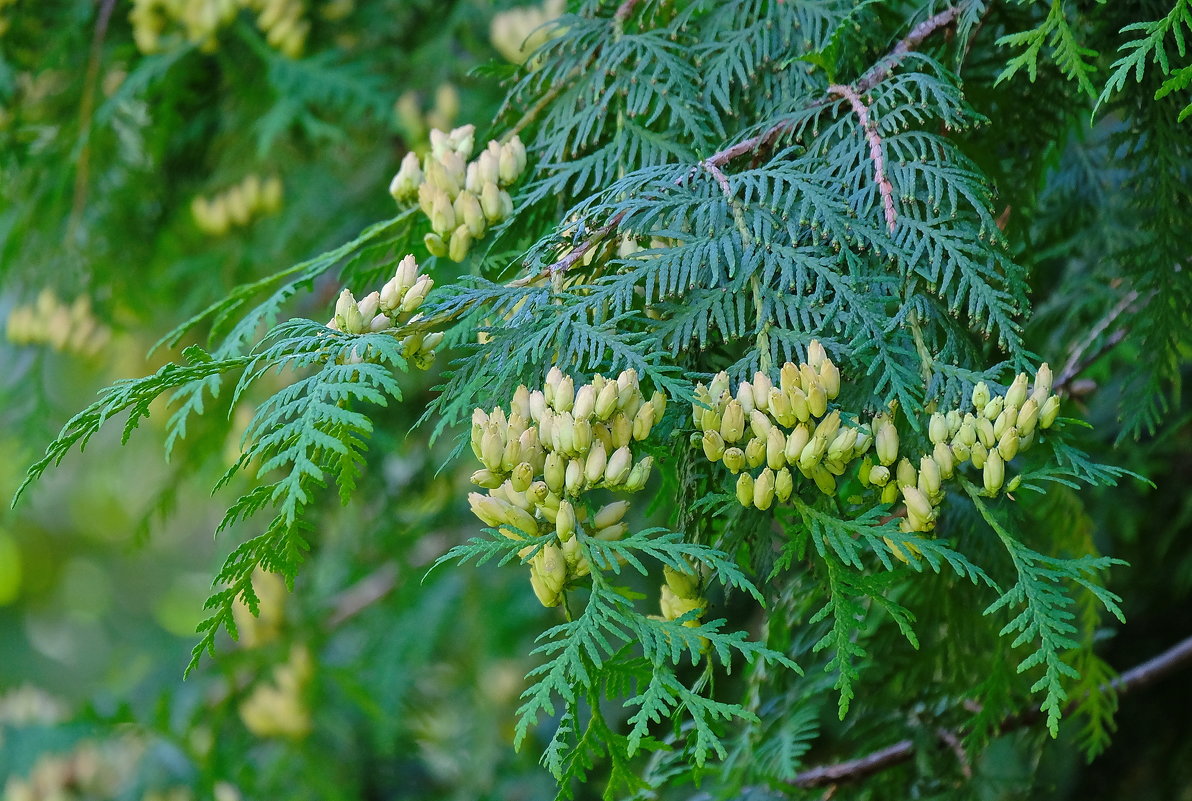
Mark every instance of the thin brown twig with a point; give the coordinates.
(86, 106)
(371, 589)
(1075, 365)
(869, 80)
(884, 187)
(624, 10)
(1150, 671)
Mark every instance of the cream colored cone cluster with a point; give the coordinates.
(237, 206)
(396, 303)
(518, 32)
(277, 708)
(554, 445)
(779, 430)
(680, 594)
(997, 429)
(158, 25)
(88, 769)
(461, 198)
(49, 321)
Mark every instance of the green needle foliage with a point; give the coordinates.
(710, 186)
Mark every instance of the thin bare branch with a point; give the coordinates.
(1150, 671)
(875, 149)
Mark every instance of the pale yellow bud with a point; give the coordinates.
(978, 454)
(639, 475)
(1005, 421)
(784, 485)
(985, 432)
(643, 421)
(980, 396)
(944, 459)
(523, 475)
(610, 514)
(585, 402)
(491, 202)
(745, 397)
(811, 455)
(713, 445)
(885, 440)
(573, 482)
(621, 430)
(763, 489)
(796, 442)
(829, 376)
(775, 449)
(1042, 390)
(595, 463)
(404, 185)
(1049, 411)
(606, 401)
(918, 509)
(761, 391)
(907, 475)
(879, 476)
(459, 244)
(993, 408)
(1007, 446)
(759, 424)
(994, 472)
(565, 521)
(937, 431)
(468, 211)
(817, 400)
(582, 439)
(929, 477)
(434, 244)
(486, 478)
(442, 214)
(619, 465)
(417, 293)
(1016, 394)
(490, 510)
(564, 394)
(658, 404)
(555, 472)
(734, 459)
(755, 453)
(779, 406)
(732, 424)
(537, 405)
(745, 489)
(824, 481)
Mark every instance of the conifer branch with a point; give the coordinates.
(875, 149)
(1150, 671)
(879, 72)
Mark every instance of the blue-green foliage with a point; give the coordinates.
(664, 255)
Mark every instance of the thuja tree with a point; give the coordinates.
(728, 309)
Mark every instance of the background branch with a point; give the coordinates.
(1174, 658)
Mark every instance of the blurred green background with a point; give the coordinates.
(373, 679)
